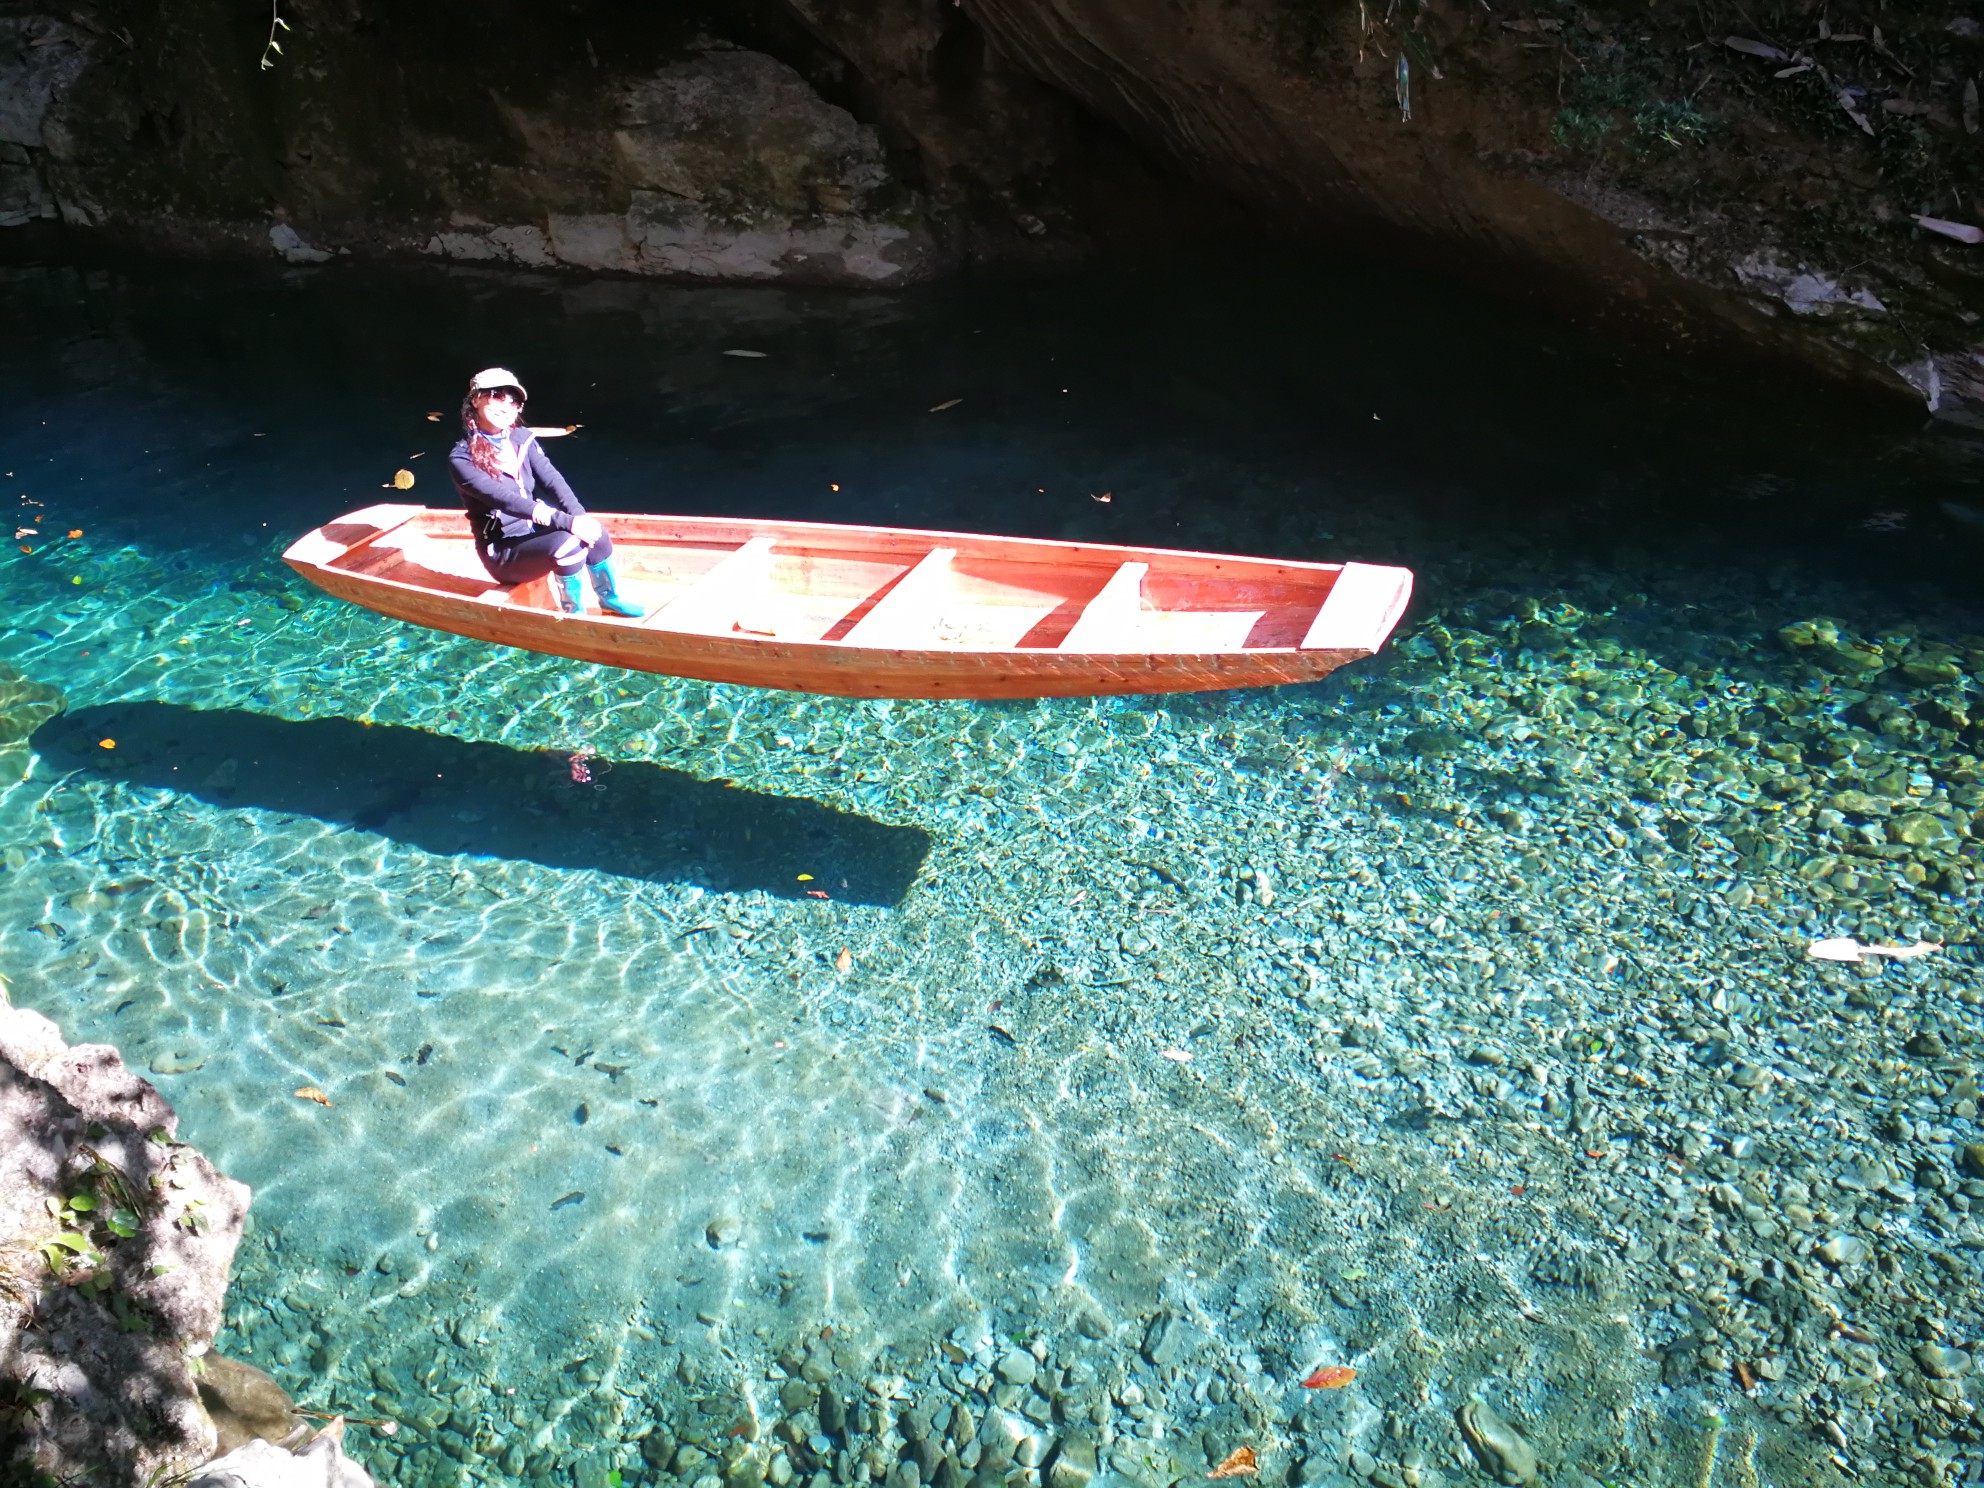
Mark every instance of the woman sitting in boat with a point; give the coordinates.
(502, 473)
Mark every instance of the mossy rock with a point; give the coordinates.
(1821, 643)
(1434, 743)
(25, 704)
(1931, 671)
(1858, 803)
(1921, 829)
(1542, 636)
(1851, 658)
(1802, 635)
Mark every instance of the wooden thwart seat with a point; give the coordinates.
(1108, 622)
(717, 597)
(909, 614)
(1359, 610)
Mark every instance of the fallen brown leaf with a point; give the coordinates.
(312, 1093)
(1239, 1463)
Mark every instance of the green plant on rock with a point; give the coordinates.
(1659, 127)
(1580, 131)
(18, 1401)
(104, 1209)
(70, 1254)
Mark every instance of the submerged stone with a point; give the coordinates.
(1921, 829)
(1942, 1363)
(1498, 1446)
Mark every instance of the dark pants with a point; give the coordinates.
(518, 560)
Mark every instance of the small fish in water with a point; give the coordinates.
(396, 1077)
(426, 1053)
(576, 1196)
(581, 770)
(611, 1071)
(1239, 1463)
(1330, 1377)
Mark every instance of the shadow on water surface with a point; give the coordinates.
(450, 796)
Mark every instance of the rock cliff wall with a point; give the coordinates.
(1708, 176)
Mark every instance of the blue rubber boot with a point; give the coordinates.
(609, 597)
(571, 594)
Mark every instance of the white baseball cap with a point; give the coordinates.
(491, 378)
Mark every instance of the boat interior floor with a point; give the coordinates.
(930, 599)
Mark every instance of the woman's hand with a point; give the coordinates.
(587, 529)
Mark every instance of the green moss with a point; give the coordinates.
(1580, 131)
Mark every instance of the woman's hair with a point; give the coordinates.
(481, 451)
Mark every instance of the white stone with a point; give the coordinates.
(289, 243)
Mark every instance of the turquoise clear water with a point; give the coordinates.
(1448, 1020)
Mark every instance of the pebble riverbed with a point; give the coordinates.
(908, 1094)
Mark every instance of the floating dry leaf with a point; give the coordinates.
(844, 961)
(1845, 100)
(947, 403)
(1239, 1463)
(1176, 1056)
(402, 480)
(1105, 498)
(738, 351)
(1749, 48)
(553, 431)
(106, 743)
(75, 532)
(1330, 1377)
(312, 1093)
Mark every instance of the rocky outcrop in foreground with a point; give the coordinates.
(115, 1245)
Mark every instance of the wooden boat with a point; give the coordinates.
(883, 611)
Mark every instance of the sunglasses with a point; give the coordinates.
(507, 395)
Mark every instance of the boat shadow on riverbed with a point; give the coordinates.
(452, 796)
